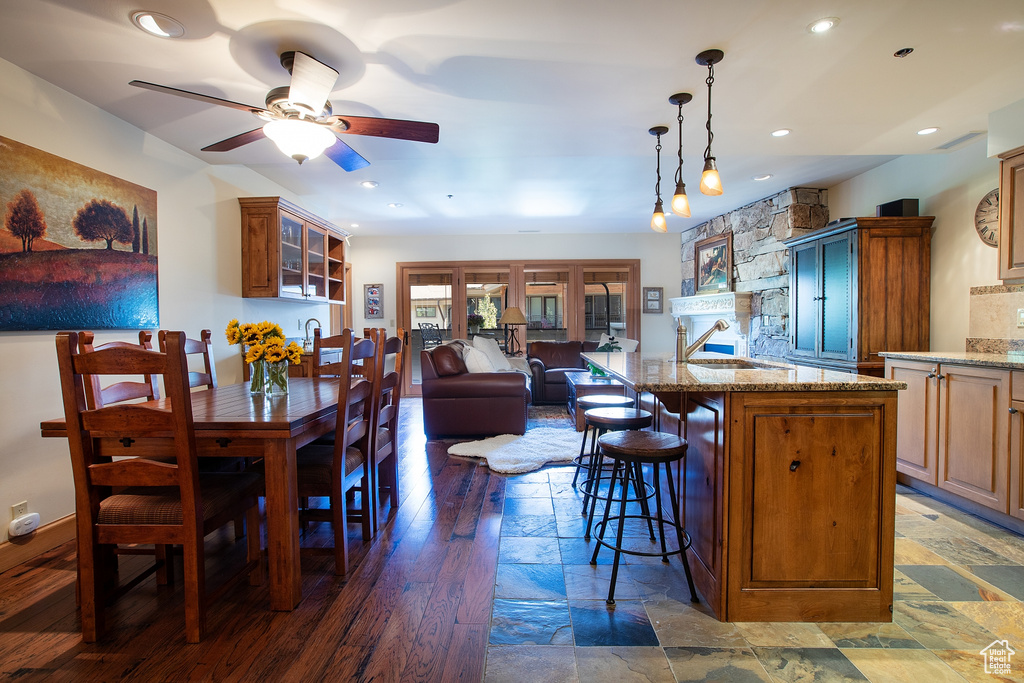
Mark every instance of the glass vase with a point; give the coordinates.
(277, 378)
(258, 377)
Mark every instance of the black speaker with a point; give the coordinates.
(899, 207)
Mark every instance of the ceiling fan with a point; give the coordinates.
(299, 118)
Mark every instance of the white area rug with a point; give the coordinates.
(511, 454)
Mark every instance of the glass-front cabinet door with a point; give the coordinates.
(291, 256)
(805, 300)
(316, 264)
(836, 277)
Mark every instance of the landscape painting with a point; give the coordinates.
(77, 246)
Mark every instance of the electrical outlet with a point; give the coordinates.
(19, 509)
(1020, 317)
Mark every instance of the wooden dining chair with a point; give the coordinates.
(123, 498)
(385, 444)
(331, 470)
(204, 347)
(97, 396)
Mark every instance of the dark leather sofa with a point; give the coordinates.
(458, 403)
(549, 361)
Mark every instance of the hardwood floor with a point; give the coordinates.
(415, 607)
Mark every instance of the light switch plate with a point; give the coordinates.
(1020, 317)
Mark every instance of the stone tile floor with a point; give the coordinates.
(958, 586)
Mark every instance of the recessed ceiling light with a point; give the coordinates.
(157, 24)
(369, 184)
(763, 176)
(781, 132)
(354, 225)
(823, 24)
(927, 131)
(902, 52)
(394, 205)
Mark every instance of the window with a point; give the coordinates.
(426, 311)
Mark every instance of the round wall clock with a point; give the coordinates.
(986, 218)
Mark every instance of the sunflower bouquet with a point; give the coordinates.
(263, 348)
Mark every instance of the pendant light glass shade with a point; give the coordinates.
(299, 139)
(658, 223)
(710, 181)
(680, 202)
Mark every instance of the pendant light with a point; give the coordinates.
(710, 181)
(680, 202)
(658, 219)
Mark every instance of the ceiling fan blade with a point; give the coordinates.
(345, 156)
(418, 131)
(198, 97)
(236, 141)
(312, 82)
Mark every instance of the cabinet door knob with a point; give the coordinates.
(930, 375)
(818, 298)
(1013, 411)
(793, 465)
(941, 376)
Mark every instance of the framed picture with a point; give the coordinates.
(373, 301)
(712, 264)
(653, 299)
(78, 247)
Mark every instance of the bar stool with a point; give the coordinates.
(588, 402)
(631, 450)
(603, 420)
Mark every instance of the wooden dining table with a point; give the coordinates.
(229, 422)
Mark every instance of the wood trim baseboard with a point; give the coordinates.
(47, 537)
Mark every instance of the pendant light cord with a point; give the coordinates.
(679, 169)
(711, 136)
(657, 183)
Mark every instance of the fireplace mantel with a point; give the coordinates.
(700, 312)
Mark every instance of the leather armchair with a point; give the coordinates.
(458, 403)
(549, 361)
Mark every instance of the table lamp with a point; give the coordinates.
(512, 316)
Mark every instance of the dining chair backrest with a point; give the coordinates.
(96, 395)
(390, 383)
(196, 347)
(128, 422)
(362, 368)
(356, 401)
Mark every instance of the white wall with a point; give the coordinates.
(199, 252)
(374, 260)
(949, 187)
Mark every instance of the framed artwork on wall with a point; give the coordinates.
(77, 246)
(712, 264)
(653, 299)
(373, 301)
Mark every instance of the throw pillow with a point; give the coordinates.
(490, 348)
(617, 344)
(477, 361)
(447, 361)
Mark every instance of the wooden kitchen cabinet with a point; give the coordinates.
(289, 253)
(954, 429)
(859, 286)
(1016, 413)
(1011, 215)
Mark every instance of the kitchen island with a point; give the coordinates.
(788, 491)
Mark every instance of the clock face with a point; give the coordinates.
(986, 218)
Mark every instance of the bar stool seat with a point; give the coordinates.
(587, 403)
(630, 450)
(602, 420)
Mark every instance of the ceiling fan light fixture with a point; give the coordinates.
(156, 24)
(298, 138)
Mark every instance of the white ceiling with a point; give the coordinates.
(544, 105)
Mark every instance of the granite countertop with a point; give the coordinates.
(656, 372)
(1013, 360)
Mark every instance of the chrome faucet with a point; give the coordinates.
(307, 343)
(692, 348)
